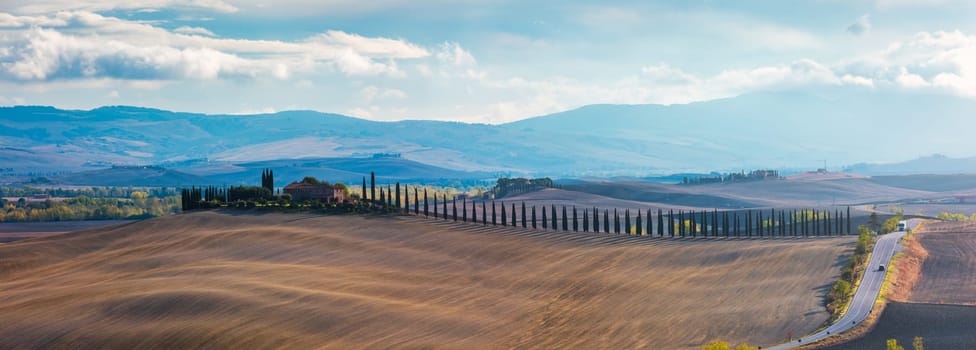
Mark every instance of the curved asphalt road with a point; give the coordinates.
(866, 294)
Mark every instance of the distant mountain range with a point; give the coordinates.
(771, 130)
(934, 164)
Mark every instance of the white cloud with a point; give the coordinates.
(458, 62)
(452, 53)
(193, 30)
(11, 100)
(888, 4)
(382, 47)
(46, 54)
(51, 6)
(664, 74)
(856, 80)
(861, 27)
(940, 60)
(371, 93)
(87, 45)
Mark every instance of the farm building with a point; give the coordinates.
(315, 191)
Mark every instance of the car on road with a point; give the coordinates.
(881, 268)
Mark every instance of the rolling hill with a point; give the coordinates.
(843, 126)
(232, 279)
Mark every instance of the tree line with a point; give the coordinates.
(90, 192)
(702, 223)
(416, 200)
(137, 205)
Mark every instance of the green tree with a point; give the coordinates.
(873, 222)
(716, 345)
(892, 344)
(745, 346)
(372, 188)
(917, 343)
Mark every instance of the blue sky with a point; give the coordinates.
(471, 61)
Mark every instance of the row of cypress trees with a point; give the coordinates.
(749, 223)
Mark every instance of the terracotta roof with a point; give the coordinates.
(297, 185)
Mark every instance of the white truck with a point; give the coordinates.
(903, 225)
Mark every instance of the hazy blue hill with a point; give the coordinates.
(772, 130)
(131, 176)
(934, 164)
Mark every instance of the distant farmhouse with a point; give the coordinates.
(324, 192)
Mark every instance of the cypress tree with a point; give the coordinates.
(596, 220)
(627, 222)
(474, 212)
(513, 215)
(639, 224)
(364, 189)
(671, 222)
(545, 219)
(660, 222)
(435, 203)
(736, 224)
(725, 223)
(849, 220)
(816, 223)
(748, 223)
(681, 223)
(793, 222)
(533, 218)
(704, 223)
(389, 195)
(827, 223)
(464, 209)
(760, 222)
(782, 223)
(416, 202)
(445, 206)
(586, 220)
(840, 219)
(715, 222)
(650, 224)
(484, 214)
(493, 216)
(806, 223)
(454, 208)
(606, 221)
(694, 224)
(616, 222)
(565, 220)
(829, 218)
(575, 222)
(382, 197)
(372, 186)
(504, 216)
(555, 226)
(523, 216)
(398, 196)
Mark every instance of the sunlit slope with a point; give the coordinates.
(237, 280)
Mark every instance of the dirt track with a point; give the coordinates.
(233, 280)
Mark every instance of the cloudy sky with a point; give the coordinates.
(470, 60)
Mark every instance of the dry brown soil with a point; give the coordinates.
(942, 327)
(949, 271)
(15, 231)
(243, 280)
